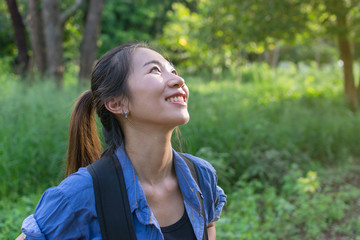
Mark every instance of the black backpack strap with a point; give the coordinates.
(195, 175)
(111, 199)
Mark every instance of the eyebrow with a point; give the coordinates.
(157, 62)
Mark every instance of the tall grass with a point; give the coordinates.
(33, 129)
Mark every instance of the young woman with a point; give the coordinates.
(140, 100)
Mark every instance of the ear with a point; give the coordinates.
(116, 105)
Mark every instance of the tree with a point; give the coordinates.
(22, 60)
(338, 22)
(342, 9)
(88, 47)
(8, 46)
(54, 21)
(230, 29)
(264, 22)
(346, 55)
(37, 38)
(227, 31)
(46, 22)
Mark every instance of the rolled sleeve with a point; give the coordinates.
(65, 212)
(55, 216)
(31, 229)
(219, 203)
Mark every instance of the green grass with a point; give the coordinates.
(262, 135)
(34, 121)
(14, 211)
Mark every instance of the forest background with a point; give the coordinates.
(274, 102)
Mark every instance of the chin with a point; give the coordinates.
(181, 120)
(185, 121)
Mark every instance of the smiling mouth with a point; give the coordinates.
(176, 99)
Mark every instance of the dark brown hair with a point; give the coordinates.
(109, 79)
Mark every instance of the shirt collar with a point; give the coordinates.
(187, 183)
(136, 195)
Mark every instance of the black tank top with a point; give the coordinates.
(182, 229)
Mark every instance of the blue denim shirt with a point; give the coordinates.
(68, 211)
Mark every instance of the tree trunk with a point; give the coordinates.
(22, 60)
(238, 65)
(37, 37)
(358, 88)
(88, 47)
(272, 57)
(54, 34)
(54, 22)
(346, 56)
(317, 54)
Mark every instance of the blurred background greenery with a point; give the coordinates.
(274, 102)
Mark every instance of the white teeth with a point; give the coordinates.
(176, 99)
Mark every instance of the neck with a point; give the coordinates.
(150, 153)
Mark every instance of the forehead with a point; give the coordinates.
(141, 56)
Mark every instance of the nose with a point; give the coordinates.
(176, 82)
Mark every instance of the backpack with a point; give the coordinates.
(111, 199)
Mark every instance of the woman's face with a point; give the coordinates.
(159, 95)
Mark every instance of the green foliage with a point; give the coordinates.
(178, 37)
(272, 120)
(269, 137)
(130, 21)
(72, 36)
(261, 21)
(188, 43)
(321, 51)
(221, 35)
(258, 211)
(13, 212)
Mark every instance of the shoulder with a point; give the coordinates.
(74, 189)
(206, 173)
(202, 165)
(70, 205)
(76, 183)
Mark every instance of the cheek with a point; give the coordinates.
(146, 94)
(186, 89)
(146, 99)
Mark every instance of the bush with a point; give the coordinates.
(300, 211)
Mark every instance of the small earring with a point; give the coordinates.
(126, 114)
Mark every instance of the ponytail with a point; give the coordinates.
(84, 143)
(108, 79)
